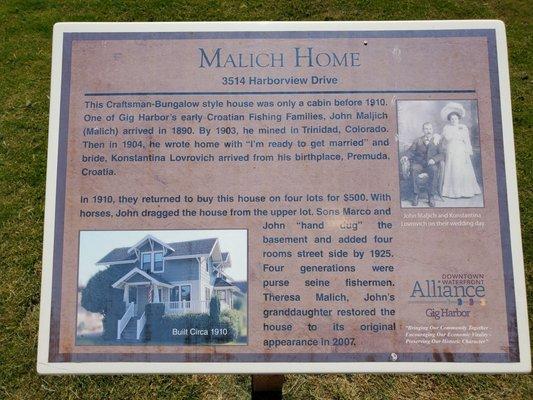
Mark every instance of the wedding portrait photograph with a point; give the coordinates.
(439, 154)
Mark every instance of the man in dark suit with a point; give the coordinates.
(425, 154)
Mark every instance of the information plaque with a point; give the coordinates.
(282, 197)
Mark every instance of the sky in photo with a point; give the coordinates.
(96, 244)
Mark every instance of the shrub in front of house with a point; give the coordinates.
(187, 329)
(214, 310)
(193, 329)
(154, 321)
(114, 311)
(238, 303)
(225, 332)
(98, 296)
(234, 320)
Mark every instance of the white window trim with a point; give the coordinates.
(224, 292)
(162, 262)
(142, 259)
(179, 291)
(152, 260)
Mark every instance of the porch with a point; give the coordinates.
(141, 288)
(130, 327)
(182, 307)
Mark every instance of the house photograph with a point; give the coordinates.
(138, 287)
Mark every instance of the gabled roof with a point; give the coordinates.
(151, 277)
(118, 255)
(192, 248)
(223, 262)
(242, 285)
(151, 239)
(221, 283)
(202, 247)
(158, 278)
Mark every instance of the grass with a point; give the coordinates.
(26, 31)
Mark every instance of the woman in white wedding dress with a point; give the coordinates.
(459, 176)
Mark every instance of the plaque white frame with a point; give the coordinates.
(46, 367)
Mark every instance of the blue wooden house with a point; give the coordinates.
(181, 275)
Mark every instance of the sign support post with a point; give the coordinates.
(267, 387)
